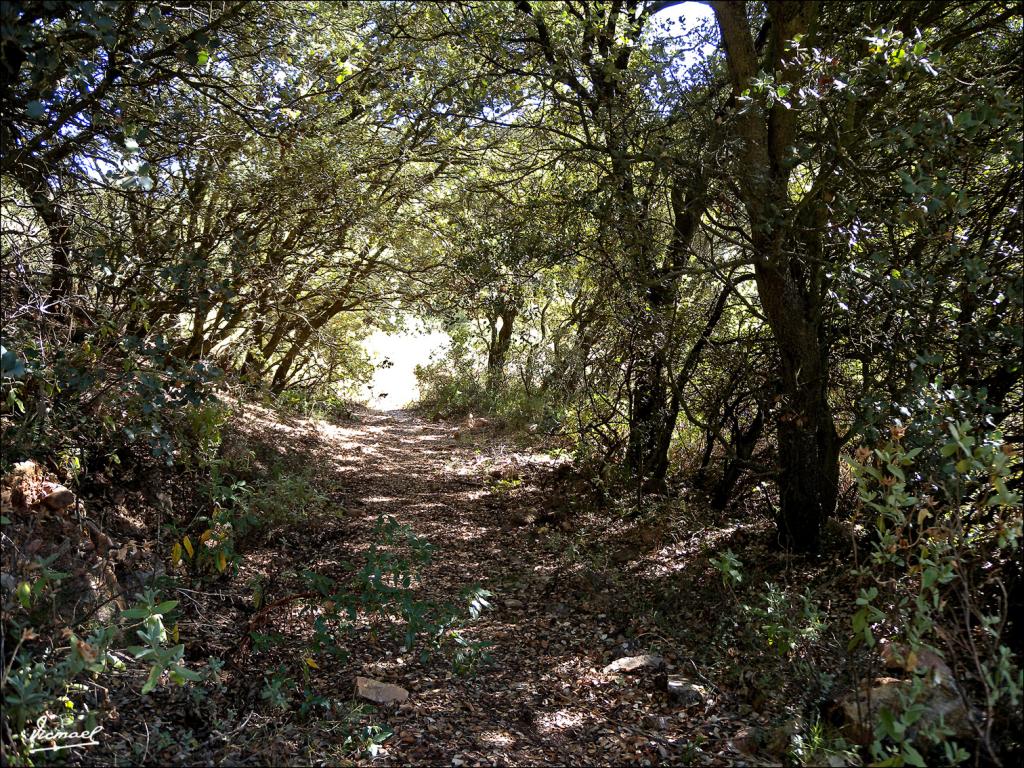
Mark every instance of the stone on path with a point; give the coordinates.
(630, 664)
(682, 691)
(378, 692)
(59, 498)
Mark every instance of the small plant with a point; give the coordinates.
(728, 565)
(818, 745)
(154, 637)
(505, 486)
(286, 495)
(364, 738)
(215, 549)
(468, 655)
(276, 689)
(204, 428)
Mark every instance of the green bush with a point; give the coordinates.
(451, 388)
(96, 396)
(454, 387)
(945, 529)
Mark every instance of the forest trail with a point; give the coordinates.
(542, 698)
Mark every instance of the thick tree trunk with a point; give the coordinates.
(497, 349)
(809, 473)
(807, 440)
(652, 420)
(788, 270)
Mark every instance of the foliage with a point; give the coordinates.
(729, 566)
(946, 535)
(710, 254)
(43, 686)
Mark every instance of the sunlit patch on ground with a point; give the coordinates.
(559, 721)
(496, 738)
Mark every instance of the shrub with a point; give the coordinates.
(946, 529)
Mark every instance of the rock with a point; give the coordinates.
(780, 740)
(683, 692)
(378, 692)
(656, 722)
(748, 740)
(939, 702)
(59, 498)
(514, 605)
(631, 664)
(897, 656)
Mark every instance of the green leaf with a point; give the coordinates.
(202, 57)
(10, 365)
(152, 680)
(912, 756)
(187, 674)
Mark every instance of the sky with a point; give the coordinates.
(686, 13)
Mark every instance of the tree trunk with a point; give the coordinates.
(302, 336)
(58, 226)
(807, 439)
(788, 270)
(654, 411)
(743, 443)
(651, 422)
(497, 349)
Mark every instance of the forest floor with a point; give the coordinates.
(572, 588)
(570, 593)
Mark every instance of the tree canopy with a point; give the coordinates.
(763, 254)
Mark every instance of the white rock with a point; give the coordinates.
(630, 664)
(378, 692)
(684, 692)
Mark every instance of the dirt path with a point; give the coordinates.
(553, 626)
